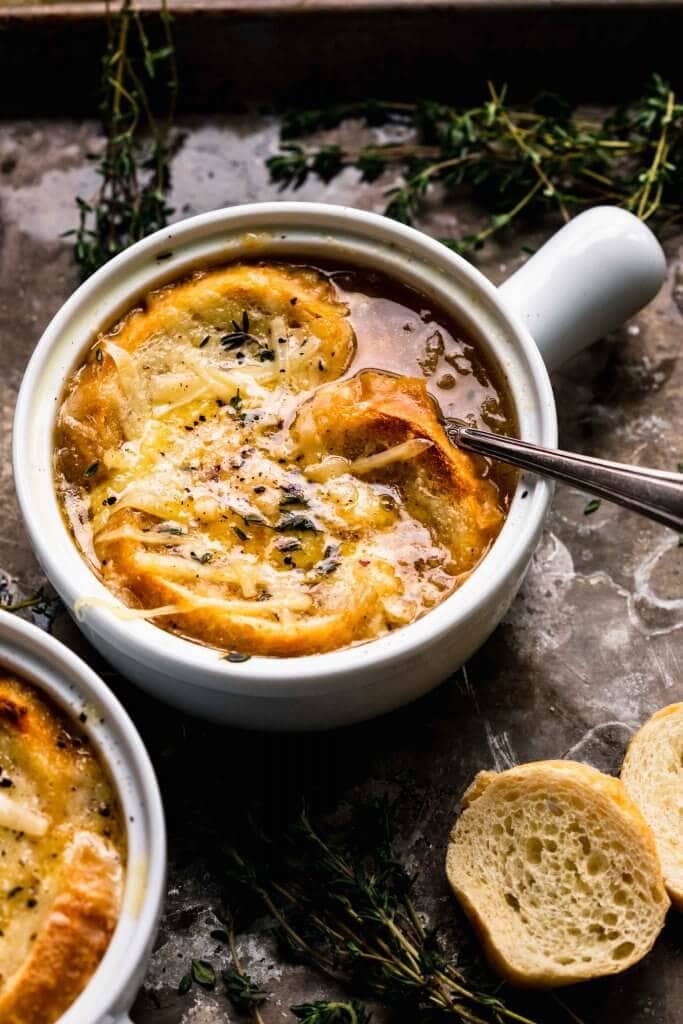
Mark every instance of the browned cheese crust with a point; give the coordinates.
(200, 461)
(63, 877)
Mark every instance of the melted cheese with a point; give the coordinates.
(20, 818)
(229, 484)
(336, 465)
(62, 850)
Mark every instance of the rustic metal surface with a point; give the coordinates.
(593, 643)
(300, 51)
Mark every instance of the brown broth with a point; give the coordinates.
(401, 331)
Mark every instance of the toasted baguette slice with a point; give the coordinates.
(557, 870)
(72, 938)
(653, 775)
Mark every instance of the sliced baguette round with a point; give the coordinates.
(558, 871)
(653, 775)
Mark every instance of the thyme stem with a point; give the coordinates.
(496, 154)
(134, 169)
(645, 211)
(346, 908)
(255, 1012)
(536, 161)
(28, 602)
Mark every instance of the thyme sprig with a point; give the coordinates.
(247, 998)
(242, 991)
(331, 1012)
(342, 903)
(134, 169)
(42, 604)
(510, 161)
(28, 602)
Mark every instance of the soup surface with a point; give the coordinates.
(62, 856)
(252, 458)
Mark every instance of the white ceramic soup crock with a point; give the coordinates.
(592, 275)
(41, 660)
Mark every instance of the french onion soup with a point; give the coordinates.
(253, 458)
(62, 857)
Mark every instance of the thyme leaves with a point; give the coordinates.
(185, 984)
(331, 1012)
(134, 169)
(547, 158)
(342, 902)
(292, 521)
(242, 992)
(203, 973)
(512, 161)
(292, 494)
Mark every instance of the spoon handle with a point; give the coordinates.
(651, 492)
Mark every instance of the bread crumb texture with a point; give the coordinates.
(653, 776)
(558, 871)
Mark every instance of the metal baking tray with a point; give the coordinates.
(304, 51)
(594, 642)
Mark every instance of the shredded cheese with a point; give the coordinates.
(256, 609)
(121, 611)
(133, 407)
(172, 568)
(335, 465)
(130, 533)
(186, 399)
(19, 818)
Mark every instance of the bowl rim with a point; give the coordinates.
(267, 676)
(46, 663)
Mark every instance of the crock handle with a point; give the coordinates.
(596, 272)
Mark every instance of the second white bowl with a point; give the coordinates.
(41, 660)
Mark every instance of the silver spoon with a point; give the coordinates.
(651, 492)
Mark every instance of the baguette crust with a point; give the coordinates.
(73, 938)
(557, 870)
(653, 775)
(62, 883)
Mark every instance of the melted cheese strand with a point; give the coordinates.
(151, 537)
(121, 611)
(169, 567)
(255, 609)
(336, 465)
(163, 410)
(134, 415)
(230, 381)
(21, 819)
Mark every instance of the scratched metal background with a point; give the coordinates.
(592, 645)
